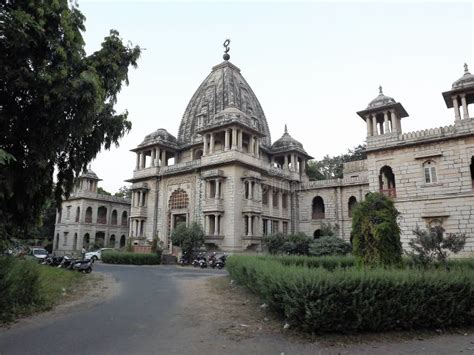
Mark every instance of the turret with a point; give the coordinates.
(461, 95)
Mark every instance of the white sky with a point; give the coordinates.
(312, 65)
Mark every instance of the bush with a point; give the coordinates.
(115, 257)
(327, 245)
(189, 239)
(296, 244)
(430, 246)
(375, 231)
(353, 299)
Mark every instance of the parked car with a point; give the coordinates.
(38, 253)
(97, 254)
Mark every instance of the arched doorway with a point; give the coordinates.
(178, 211)
(317, 234)
(351, 204)
(114, 217)
(102, 215)
(387, 181)
(86, 241)
(88, 218)
(100, 239)
(112, 241)
(122, 241)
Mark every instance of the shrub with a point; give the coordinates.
(114, 257)
(375, 231)
(187, 238)
(432, 245)
(329, 246)
(327, 229)
(296, 244)
(358, 299)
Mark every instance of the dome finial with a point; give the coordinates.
(286, 129)
(466, 70)
(380, 90)
(226, 55)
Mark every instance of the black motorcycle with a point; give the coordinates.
(184, 260)
(82, 265)
(200, 261)
(213, 260)
(220, 263)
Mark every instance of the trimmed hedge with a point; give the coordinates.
(131, 258)
(353, 299)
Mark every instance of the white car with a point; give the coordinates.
(96, 254)
(38, 253)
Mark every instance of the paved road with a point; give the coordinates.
(144, 318)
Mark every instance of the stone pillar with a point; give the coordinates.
(257, 147)
(226, 145)
(204, 140)
(285, 165)
(216, 224)
(240, 139)
(163, 158)
(157, 156)
(249, 226)
(270, 198)
(250, 190)
(211, 145)
(206, 224)
(465, 112)
(143, 157)
(374, 125)
(251, 145)
(153, 156)
(293, 162)
(218, 190)
(457, 114)
(137, 166)
(234, 138)
(386, 124)
(369, 126)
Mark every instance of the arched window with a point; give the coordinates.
(114, 217)
(178, 200)
(429, 169)
(78, 213)
(198, 154)
(317, 234)
(88, 215)
(351, 204)
(112, 241)
(102, 215)
(122, 241)
(86, 241)
(100, 239)
(74, 245)
(124, 218)
(387, 181)
(318, 208)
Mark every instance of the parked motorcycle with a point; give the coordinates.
(220, 263)
(82, 265)
(66, 263)
(184, 260)
(213, 260)
(200, 261)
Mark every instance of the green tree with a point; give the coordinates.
(375, 231)
(124, 192)
(57, 104)
(101, 191)
(187, 238)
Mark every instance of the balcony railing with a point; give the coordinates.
(389, 192)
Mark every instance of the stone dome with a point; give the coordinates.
(223, 88)
(467, 80)
(287, 143)
(89, 174)
(381, 100)
(161, 135)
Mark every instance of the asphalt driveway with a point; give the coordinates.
(144, 318)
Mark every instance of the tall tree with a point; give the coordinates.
(124, 192)
(57, 103)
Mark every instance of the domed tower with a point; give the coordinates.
(383, 115)
(156, 149)
(224, 114)
(461, 95)
(87, 181)
(289, 154)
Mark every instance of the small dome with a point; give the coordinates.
(467, 80)
(89, 174)
(287, 143)
(161, 135)
(381, 100)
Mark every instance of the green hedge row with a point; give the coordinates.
(352, 299)
(131, 258)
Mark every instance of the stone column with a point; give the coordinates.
(204, 140)
(218, 190)
(249, 226)
(374, 125)
(226, 146)
(234, 138)
(211, 145)
(457, 114)
(216, 224)
(270, 198)
(157, 156)
(153, 156)
(293, 162)
(206, 224)
(163, 158)
(143, 156)
(465, 112)
(369, 125)
(386, 124)
(250, 190)
(257, 147)
(137, 166)
(240, 139)
(251, 145)
(285, 165)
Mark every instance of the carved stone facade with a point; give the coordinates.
(90, 219)
(223, 172)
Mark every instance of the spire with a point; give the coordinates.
(466, 70)
(286, 129)
(380, 90)
(226, 55)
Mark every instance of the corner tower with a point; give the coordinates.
(461, 95)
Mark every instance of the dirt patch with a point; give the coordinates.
(97, 287)
(218, 304)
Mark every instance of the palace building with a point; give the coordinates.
(223, 171)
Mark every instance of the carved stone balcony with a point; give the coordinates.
(251, 206)
(213, 205)
(140, 211)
